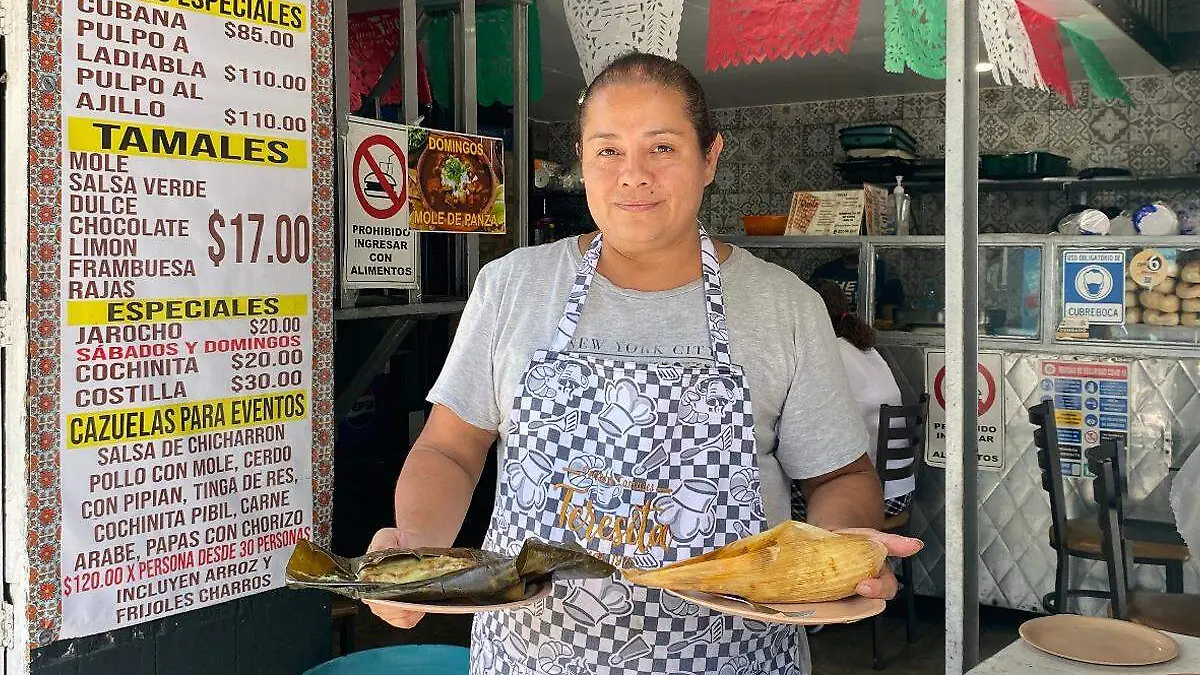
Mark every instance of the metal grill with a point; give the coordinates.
(1145, 21)
(1153, 12)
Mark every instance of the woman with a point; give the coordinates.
(616, 370)
(871, 383)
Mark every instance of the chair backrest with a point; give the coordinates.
(1120, 471)
(1114, 449)
(900, 442)
(1045, 437)
(1118, 551)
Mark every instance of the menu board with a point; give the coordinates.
(186, 287)
(831, 213)
(1091, 404)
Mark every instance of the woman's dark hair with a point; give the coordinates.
(640, 68)
(846, 324)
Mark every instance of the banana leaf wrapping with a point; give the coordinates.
(476, 576)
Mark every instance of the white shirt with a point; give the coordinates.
(873, 385)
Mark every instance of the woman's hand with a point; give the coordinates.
(390, 537)
(885, 585)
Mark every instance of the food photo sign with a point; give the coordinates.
(455, 182)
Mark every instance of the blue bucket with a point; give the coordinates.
(399, 660)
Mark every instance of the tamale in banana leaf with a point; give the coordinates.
(441, 574)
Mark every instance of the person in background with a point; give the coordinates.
(843, 271)
(871, 383)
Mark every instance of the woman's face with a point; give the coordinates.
(643, 168)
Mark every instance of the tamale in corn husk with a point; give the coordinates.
(791, 563)
(441, 574)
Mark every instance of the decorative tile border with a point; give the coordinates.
(324, 158)
(45, 189)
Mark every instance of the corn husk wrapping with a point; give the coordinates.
(487, 577)
(791, 563)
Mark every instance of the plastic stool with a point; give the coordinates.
(399, 660)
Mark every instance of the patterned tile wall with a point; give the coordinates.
(771, 151)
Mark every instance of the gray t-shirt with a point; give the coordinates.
(805, 421)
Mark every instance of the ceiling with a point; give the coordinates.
(813, 78)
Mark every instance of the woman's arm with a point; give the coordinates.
(439, 476)
(844, 498)
(850, 500)
(433, 492)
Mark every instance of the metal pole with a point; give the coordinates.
(456, 244)
(470, 85)
(15, 218)
(341, 106)
(469, 102)
(408, 49)
(962, 335)
(412, 104)
(521, 121)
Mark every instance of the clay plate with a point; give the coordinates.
(854, 608)
(1105, 642)
(532, 595)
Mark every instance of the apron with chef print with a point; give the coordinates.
(643, 464)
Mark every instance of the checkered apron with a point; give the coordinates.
(642, 464)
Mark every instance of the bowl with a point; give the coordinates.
(429, 162)
(764, 226)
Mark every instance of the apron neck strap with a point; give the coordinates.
(710, 272)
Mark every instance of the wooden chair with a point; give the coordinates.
(889, 449)
(1173, 612)
(1153, 543)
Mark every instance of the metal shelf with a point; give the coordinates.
(935, 241)
(1036, 345)
(1068, 184)
(550, 192)
(415, 310)
(848, 241)
(446, 6)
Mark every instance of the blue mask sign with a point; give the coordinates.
(1094, 286)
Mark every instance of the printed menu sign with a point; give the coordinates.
(1091, 404)
(838, 212)
(186, 272)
